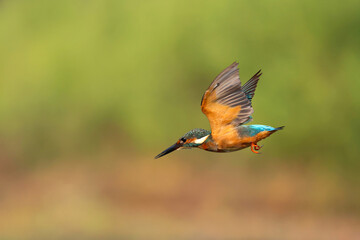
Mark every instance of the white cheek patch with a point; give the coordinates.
(201, 140)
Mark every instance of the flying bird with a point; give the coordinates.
(228, 107)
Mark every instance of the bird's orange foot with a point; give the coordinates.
(255, 148)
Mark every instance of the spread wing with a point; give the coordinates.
(224, 102)
(250, 86)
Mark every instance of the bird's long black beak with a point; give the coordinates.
(169, 150)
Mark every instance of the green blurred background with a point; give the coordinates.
(91, 91)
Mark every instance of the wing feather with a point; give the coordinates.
(250, 86)
(224, 102)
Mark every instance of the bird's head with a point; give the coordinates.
(192, 139)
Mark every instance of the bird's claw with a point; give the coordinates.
(255, 148)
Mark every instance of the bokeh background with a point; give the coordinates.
(91, 91)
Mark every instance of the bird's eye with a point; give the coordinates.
(183, 139)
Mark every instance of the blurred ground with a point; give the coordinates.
(143, 198)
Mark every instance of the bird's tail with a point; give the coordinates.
(277, 129)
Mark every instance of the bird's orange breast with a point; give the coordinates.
(229, 139)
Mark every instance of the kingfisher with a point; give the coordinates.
(228, 106)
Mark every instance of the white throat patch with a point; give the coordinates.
(201, 140)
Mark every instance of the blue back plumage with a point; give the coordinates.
(252, 130)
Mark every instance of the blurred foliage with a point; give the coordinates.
(76, 73)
